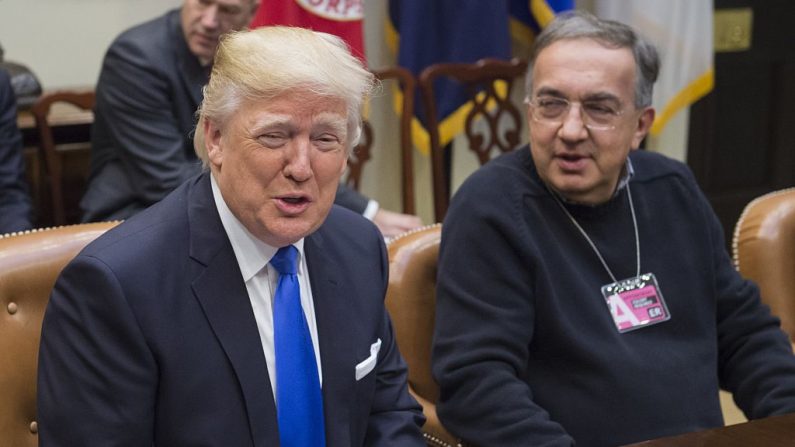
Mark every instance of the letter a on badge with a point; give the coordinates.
(622, 314)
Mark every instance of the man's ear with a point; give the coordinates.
(645, 121)
(345, 159)
(212, 142)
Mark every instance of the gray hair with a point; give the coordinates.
(266, 62)
(579, 24)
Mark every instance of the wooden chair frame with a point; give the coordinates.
(48, 152)
(362, 152)
(480, 82)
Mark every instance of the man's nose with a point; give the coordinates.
(209, 17)
(298, 163)
(573, 126)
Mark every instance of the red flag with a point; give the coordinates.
(342, 18)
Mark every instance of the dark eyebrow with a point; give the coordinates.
(547, 91)
(593, 97)
(230, 9)
(602, 96)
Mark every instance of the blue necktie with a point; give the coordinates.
(298, 397)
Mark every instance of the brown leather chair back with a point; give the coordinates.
(764, 251)
(63, 164)
(29, 264)
(411, 303)
(488, 84)
(362, 152)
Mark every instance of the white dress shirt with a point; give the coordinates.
(253, 257)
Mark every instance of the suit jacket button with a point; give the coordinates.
(34, 427)
(12, 308)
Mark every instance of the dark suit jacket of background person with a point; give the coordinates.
(154, 319)
(142, 138)
(15, 206)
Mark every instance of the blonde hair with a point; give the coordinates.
(263, 63)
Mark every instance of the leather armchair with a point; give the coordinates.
(411, 302)
(29, 264)
(764, 252)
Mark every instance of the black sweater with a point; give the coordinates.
(526, 352)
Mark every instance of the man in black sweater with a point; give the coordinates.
(584, 292)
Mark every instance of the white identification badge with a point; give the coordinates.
(636, 302)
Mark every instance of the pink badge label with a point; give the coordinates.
(635, 303)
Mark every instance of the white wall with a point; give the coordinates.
(63, 41)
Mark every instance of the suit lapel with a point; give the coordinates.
(337, 355)
(219, 288)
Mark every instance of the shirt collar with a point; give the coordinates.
(251, 253)
(628, 172)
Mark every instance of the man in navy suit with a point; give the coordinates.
(14, 200)
(147, 94)
(164, 331)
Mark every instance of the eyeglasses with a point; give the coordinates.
(596, 114)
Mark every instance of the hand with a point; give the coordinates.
(391, 223)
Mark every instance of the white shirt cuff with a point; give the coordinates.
(372, 208)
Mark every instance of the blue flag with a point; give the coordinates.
(427, 32)
(529, 17)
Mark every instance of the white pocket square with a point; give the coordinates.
(364, 368)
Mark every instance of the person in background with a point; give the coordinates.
(244, 308)
(584, 291)
(15, 208)
(147, 94)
